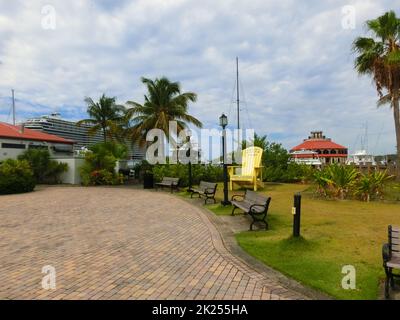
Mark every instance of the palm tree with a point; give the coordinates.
(104, 115)
(379, 57)
(163, 103)
(257, 141)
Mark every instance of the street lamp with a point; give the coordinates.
(190, 162)
(223, 122)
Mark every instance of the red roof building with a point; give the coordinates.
(317, 146)
(20, 133)
(14, 140)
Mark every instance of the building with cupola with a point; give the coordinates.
(317, 149)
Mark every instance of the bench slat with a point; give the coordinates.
(395, 254)
(209, 186)
(395, 229)
(254, 204)
(394, 263)
(255, 198)
(168, 180)
(241, 205)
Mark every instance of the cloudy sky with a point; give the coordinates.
(296, 63)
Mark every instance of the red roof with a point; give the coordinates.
(318, 144)
(14, 132)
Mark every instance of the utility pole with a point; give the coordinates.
(13, 106)
(237, 93)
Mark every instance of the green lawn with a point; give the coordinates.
(335, 234)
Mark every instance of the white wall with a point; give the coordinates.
(7, 153)
(72, 176)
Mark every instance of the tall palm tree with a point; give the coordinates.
(104, 115)
(163, 103)
(379, 57)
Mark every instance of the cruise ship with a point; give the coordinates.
(53, 124)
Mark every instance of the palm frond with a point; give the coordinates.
(362, 44)
(386, 99)
(86, 121)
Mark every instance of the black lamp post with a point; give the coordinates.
(223, 122)
(190, 164)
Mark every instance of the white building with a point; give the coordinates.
(14, 140)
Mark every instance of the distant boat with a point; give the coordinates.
(361, 158)
(307, 157)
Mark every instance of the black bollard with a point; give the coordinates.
(297, 215)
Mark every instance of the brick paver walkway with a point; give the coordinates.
(109, 243)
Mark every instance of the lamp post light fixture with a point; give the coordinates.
(223, 122)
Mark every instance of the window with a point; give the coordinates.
(32, 146)
(12, 146)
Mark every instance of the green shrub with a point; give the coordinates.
(200, 172)
(340, 181)
(99, 166)
(372, 185)
(54, 171)
(289, 173)
(16, 176)
(44, 169)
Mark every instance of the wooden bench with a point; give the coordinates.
(168, 182)
(391, 258)
(205, 189)
(253, 204)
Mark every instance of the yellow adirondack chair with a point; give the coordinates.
(251, 169)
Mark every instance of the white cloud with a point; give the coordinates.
(295, 59)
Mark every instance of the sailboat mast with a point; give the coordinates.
(237, 93)
(13, 105)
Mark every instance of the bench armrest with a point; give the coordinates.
(231, 169)
(235, 196)
(386, 253)
(209, 190)
(257, 206)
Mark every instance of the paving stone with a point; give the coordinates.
(119, 243)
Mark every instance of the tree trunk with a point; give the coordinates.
(104, 135)
(396, 114)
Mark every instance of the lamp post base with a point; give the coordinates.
(226, 203)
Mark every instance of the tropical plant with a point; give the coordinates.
(379, 57)
(257, 141)
(16, 176)
(163, 103)
(321, 178)
(381, 179)
(365, 187)
(44, 169)
(100, 162)
(372, 185)
(104, 115)
(341, 179)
